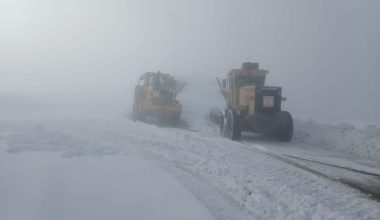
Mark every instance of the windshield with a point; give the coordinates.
(246, 80)
(158, 80)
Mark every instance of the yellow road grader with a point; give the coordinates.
(251, 106)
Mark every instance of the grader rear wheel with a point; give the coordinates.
(284, 131)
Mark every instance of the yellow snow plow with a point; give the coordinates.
(155, 95)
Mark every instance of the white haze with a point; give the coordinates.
(85, 55)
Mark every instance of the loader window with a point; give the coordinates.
(158, 80)
(152, 80)
(163, 81)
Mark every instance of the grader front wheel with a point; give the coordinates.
(232, 125)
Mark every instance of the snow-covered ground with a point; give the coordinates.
(54, 166)
(111, 166)
(47, 186)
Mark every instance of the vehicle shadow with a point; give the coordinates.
(159, 122)
(249, 137)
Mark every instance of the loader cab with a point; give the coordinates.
(155, 96)
(159, 80)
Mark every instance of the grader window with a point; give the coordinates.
(258, 80)
(242, 80)
(247, 80)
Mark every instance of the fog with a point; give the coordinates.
(86, 55)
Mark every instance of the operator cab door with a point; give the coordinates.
(141, 81)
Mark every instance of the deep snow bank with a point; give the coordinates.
(341, 137)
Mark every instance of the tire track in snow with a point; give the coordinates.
(373, 189)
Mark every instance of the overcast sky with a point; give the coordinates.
(326, 54)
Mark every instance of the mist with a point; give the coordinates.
(84, 57)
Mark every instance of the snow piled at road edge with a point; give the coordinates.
(342, 137)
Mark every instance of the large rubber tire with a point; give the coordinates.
(173, 120)
(284, 131)
(137, 114)
(233, 126)
(222, 129)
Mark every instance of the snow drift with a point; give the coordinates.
(342, 137)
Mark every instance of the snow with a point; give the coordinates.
(343, 137)
(47, 186)
(264, 187)
(96, 168)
